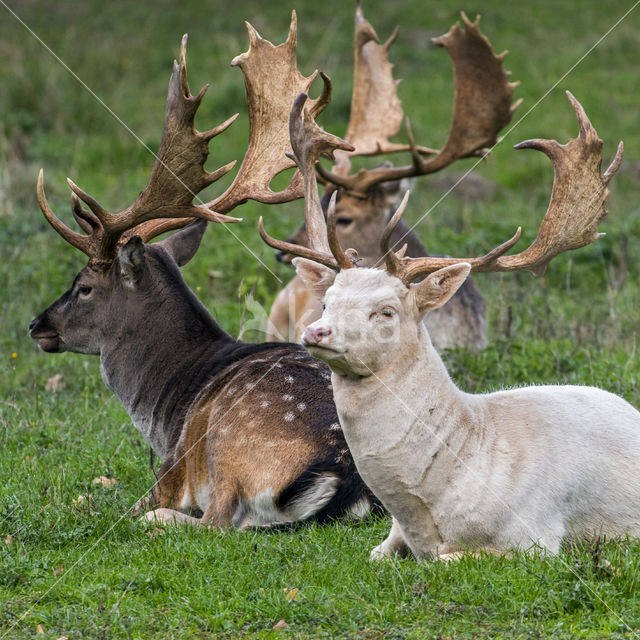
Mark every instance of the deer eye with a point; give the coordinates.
(344, 221)
(387, 312)
(84, 290)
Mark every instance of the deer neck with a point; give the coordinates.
(412, 402)
(156, 367)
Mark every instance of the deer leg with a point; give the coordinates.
(170, 488)
(223, 503)
(395, 543)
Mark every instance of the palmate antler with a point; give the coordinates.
(576, 208)
(482, 106)
(272, 81)
(177, 176)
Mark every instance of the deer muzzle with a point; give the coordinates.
(47, 337)
(313, 336)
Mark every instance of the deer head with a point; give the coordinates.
(371, 314)
(482, 107)
(125, 278)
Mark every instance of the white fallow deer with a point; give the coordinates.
(483, 105)
(248, 433)
(521, 468)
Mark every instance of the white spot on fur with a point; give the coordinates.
(264, 404)
(326, 376)
(250, 385)
(289, 416)
(335, 426)
(289, 379)
(287, 397)
(301, 406)
(231, 391)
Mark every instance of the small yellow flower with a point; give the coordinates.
(14, 355)
(197, 288)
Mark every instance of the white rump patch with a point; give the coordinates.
(262, 511)
(316, 497)
(361, 508)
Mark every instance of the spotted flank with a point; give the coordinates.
(262, 446)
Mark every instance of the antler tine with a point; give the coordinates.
(576, 208)
(482, 107)
(309, 142)
(75, 239)
(390, 258)
(85, 219)
(272, 81)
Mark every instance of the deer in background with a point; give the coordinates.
(482, 107)
(248, 433)
(518, 468)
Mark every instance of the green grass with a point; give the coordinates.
(577, 324)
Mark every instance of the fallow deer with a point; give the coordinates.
(248, 433)
(482, 107)
(521, 468)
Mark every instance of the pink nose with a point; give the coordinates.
(313, 336)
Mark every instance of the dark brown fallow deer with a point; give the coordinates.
(482, 107)
(248, 433)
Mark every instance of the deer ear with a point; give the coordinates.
(131, 262)
(439, 286)
(316, 277)
(183, 244)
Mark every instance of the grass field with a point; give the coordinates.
(84, 568)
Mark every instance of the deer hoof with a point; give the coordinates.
(380, 553)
